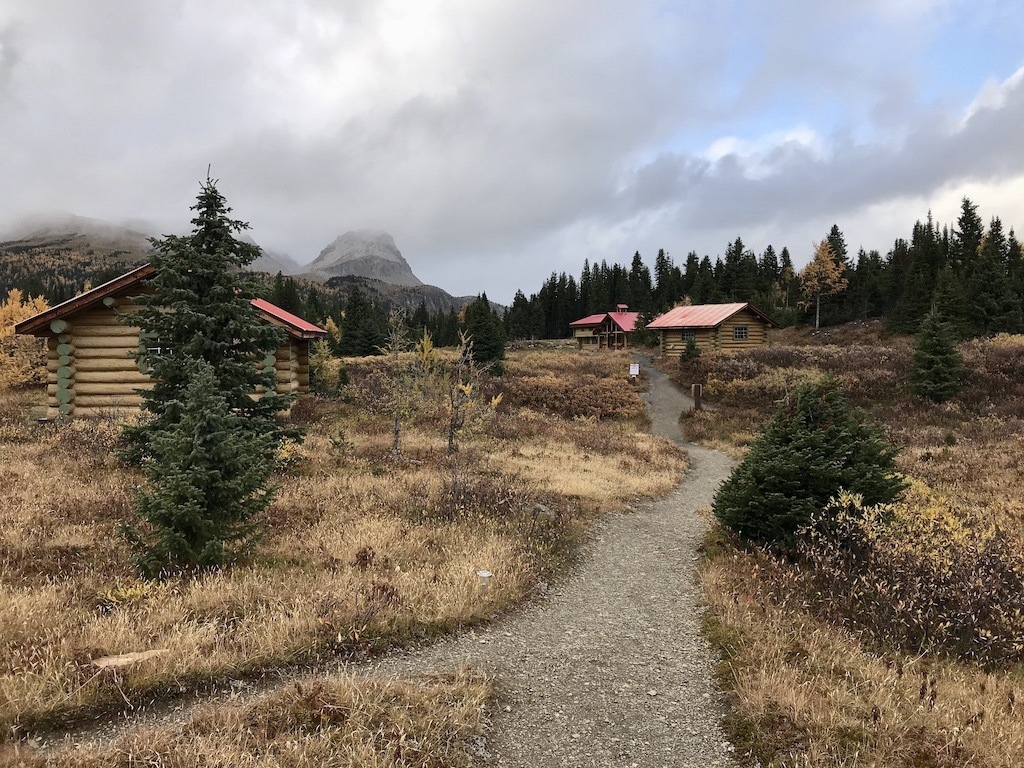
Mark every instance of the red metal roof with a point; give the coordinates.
(703, 316)
(39, 324)
(589, 320)
(306, 328)
(625, 320)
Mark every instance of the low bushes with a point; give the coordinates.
(920, 575)
(587, 396)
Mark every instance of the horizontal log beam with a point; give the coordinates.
(128, 364)
(107, 353)
(99, 342)
(107, 401)
(108, 388)
(132, 377)
(103, 411)
(114, 329)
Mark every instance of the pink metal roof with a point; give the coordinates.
(698, 316)
(589, 320)
(297, 323)
(625, 320)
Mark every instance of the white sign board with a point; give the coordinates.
(634, 369)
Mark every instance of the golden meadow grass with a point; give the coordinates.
(817, 654)
(359, 722)
(361, 552)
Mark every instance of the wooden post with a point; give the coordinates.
(697, 393)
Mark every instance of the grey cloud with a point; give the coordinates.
(528, 133)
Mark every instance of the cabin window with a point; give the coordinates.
(690, 335)
(157, 348)
(740, 333)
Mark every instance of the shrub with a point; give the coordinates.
(812, 448)
(921, 576)
(691, 351)
(584, 396)
(327, 373)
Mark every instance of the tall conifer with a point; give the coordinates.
(208, 448)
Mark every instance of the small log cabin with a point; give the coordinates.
(727, 327)
(91, 354)
(609, 330)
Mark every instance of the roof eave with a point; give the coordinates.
(37, 325)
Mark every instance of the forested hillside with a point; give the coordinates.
(974, 275)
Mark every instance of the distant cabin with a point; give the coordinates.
(609, 330)
(90, 361)
(712, 326)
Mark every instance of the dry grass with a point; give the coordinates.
(807, 694)
(364, 722)
(361, 552)
(815, 683)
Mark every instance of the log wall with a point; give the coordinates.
(92, 371)
(721, 337)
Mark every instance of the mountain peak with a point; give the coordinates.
(364, 253)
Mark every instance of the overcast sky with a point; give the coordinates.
(499, 141)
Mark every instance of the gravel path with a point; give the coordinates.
(611, 669)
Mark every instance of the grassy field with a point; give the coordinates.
(362, 551)
(907, 653)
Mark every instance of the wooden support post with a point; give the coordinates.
(697, 393)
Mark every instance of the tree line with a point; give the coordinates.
(972, 274)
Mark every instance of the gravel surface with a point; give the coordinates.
(611, 669)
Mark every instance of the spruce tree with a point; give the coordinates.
(200, 308)
(814, 446)
(211, 483)
(935, 373)
(487, 333)
(208, 446)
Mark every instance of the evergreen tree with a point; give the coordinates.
(208, 486)
(937, 367)
(519, 318)
(363, 328)
(966, 240)
(788, 279)
(992, 306)
(814, 446)
(419, 323)
(208, 450)
(487, 334)
(200, 308)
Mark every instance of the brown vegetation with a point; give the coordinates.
(361, 551)
(895, 638)
(422, 723)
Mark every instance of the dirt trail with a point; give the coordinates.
(610, 669)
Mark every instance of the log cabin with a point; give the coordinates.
(608, 330)
(727, 327)
(91, 366)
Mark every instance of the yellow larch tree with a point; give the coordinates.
(823, 276)
(22, 362)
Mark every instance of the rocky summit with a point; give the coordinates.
(363, 253)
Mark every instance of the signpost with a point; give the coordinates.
(634, 369)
